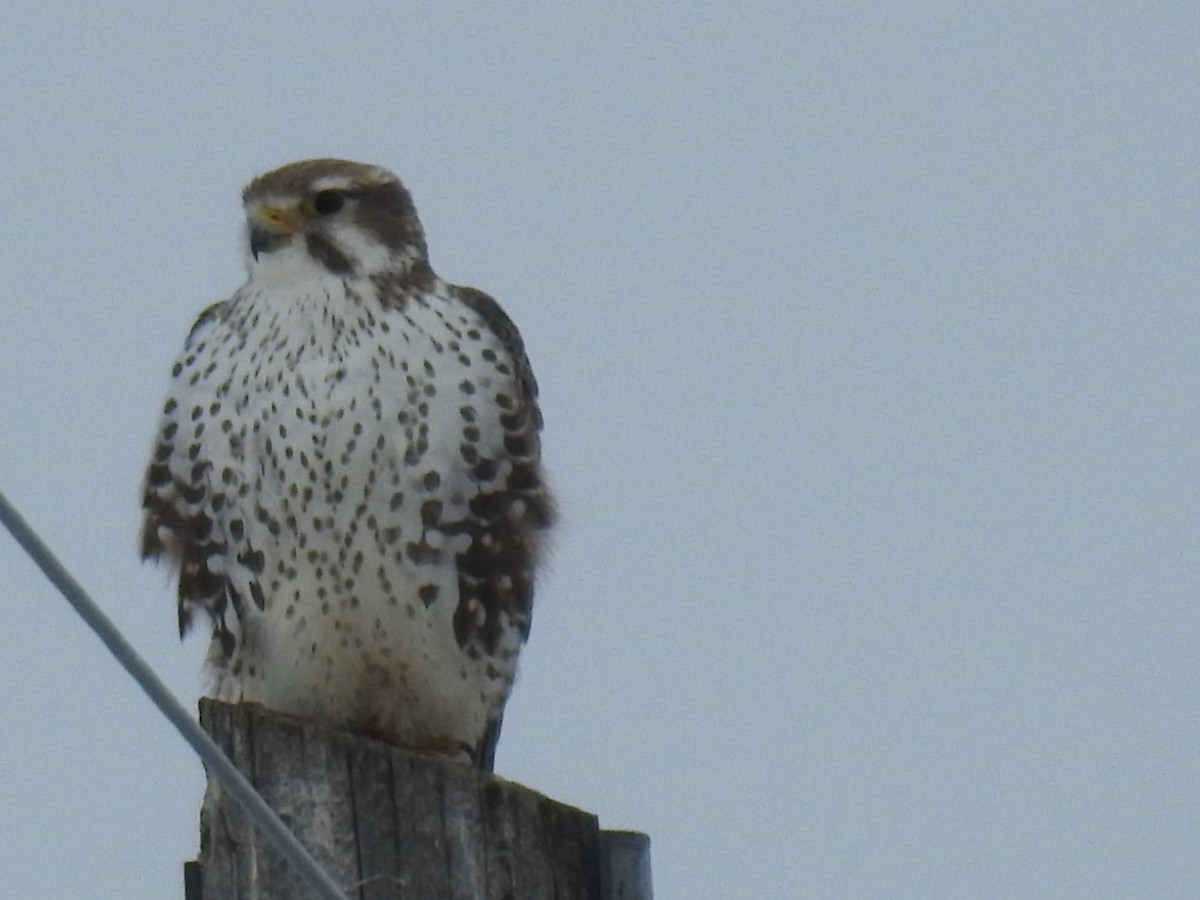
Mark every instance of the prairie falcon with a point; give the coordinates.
(347, 473)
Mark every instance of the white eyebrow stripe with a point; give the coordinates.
(332, 183)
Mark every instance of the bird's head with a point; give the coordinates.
(344, 218)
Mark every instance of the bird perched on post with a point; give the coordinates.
(347, 473)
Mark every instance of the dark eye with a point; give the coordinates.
(326, 203)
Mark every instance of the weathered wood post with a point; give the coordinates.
(391, 825)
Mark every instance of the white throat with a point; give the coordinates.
(290, 264)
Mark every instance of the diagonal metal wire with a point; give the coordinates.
(218, 763)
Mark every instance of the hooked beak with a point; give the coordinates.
(270, 228)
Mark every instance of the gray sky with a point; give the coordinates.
(867, 336)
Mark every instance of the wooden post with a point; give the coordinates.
(392, 825)
(625, 866)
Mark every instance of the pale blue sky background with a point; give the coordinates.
(868, 341)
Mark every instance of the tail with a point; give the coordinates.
(485, 753)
